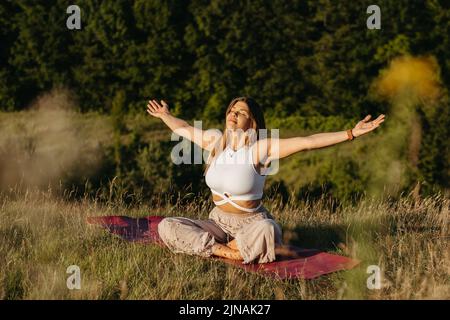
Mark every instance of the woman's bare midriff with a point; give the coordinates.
(243, 203)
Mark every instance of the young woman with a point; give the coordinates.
(239, 226)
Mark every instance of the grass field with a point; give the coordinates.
(42, 234)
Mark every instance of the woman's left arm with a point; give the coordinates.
(281, 148)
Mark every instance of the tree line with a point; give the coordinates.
(299, 58)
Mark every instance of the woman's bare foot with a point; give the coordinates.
(226, 252)
(232, 244)
(280, 250)
(285, 251)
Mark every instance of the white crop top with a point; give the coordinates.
(233, 176)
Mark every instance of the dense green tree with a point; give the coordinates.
(301, 59)
(7, 36)
(38, 58)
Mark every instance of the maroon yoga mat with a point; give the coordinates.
(311, 264)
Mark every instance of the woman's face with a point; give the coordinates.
(238, 117)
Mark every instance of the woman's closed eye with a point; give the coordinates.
(240, 113)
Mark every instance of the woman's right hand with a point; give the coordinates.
(157, 110)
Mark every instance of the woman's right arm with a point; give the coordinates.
(204, 139)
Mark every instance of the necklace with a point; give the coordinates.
(232, 152)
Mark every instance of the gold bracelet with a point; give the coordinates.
(350, 134)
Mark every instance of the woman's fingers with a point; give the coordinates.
(380, 119)
(151, 106)
(367, 126)
(372, 124)
(154, 105)
(365, 119)
(376, 123)
(150, 112)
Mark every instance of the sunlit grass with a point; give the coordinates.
(41, 235)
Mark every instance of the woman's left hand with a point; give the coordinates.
(364, 126)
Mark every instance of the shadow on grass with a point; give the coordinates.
(324, 238)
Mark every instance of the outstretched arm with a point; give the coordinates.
(204, 139)
(281, 148)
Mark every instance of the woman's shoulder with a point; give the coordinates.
(262, 145)
(259, 153)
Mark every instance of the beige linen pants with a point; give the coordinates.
(256, 234)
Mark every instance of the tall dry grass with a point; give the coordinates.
(42, 234)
